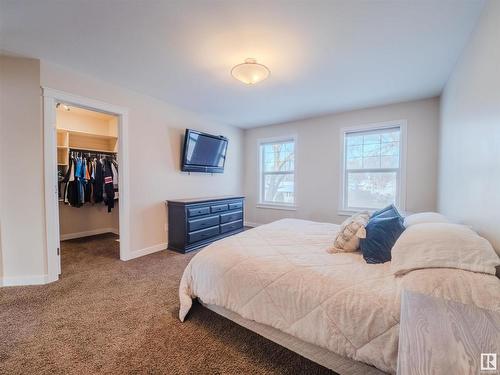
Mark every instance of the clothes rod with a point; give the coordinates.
(83, 151)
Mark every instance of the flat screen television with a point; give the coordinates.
(203, 152)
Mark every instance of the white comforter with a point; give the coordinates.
(281, 275)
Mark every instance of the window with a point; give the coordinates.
(277, 172)
(373, 167)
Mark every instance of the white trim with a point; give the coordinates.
(401, 194)
(251, 224)
(346, 212)
(50, 98)
(147, 250)
(71, 236)
(262, 141)
(286, 207)
(24, 280)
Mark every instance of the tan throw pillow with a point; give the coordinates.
(351, 230)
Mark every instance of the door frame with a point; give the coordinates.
(50, 98)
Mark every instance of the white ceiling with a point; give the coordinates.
(324, 56)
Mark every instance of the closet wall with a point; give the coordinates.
(92, 130)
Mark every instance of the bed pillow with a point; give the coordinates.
(351, 230)
(442, 245)
(381, 235)
(425, 217)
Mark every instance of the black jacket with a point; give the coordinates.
(108, 185)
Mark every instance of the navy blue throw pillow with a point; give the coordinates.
(389, 211)
(381, 235)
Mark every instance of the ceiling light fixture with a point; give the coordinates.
(63, 106)
(250, 72)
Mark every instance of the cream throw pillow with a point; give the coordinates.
(424, 217)
(351, 230)
(442, 245)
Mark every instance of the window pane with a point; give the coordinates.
(355, 163)
(389, 149)
(389, 161)
(354, 140)
(278, 157)
(278, 188)
(371, 162)
(371, 149)
(371, 189)
(377, 149)
(371, 138)
(392, 136)
(354, 152)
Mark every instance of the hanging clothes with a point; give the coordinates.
(90, 180)
(114, 169)
(87, 191)
(72, 189)
(109, 200)
(98, 182)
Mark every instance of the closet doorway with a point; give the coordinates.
(86, 159)
(87, 164)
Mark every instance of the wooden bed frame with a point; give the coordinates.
(324, 357)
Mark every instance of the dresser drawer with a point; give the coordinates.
(202, 223)
(231, 216)
(197, 211)
(224, 228)
(235, 205)
(218, 208)
(203, 234)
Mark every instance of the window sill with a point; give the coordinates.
(346, 213)
(352, 212)
(277, 206)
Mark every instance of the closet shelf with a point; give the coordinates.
(86, 134)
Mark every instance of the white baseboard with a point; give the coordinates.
(251, 224)
(147, 250)
(24, 280)
(71, 236)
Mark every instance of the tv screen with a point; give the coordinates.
(203, 152)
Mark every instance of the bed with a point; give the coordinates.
(279, 280)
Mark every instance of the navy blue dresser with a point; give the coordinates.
(194, 223)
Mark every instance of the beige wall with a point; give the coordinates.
(156, 131)
(22, 206)
(469, 176)
(318, 164)
(82, 221)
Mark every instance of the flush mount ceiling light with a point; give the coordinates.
(250, 72)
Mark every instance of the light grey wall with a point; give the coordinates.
(318, 160)
(469, 169)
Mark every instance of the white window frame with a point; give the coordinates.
(401, 191)
(272, 205)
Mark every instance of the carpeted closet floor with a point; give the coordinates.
(112, 317)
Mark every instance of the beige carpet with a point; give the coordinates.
(112, 317)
